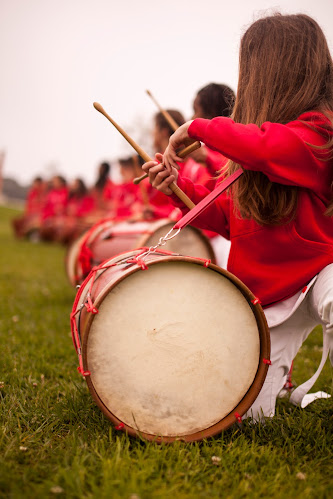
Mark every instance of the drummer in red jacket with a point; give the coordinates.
(103, 191)
(127, 202)
(278, 215)
(54, 208)
(79, 207)
(27, 224)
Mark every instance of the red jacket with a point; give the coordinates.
(195, 171)
(55, 203)
(80, 206)
(273, 261)
(126, 200)
(103, 199)
(35, 201)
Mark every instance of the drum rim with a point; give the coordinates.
(247, 400)
(73, 251)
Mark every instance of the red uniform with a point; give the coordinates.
(103, 199)
(80, 207)
(35, 201)
(273, 261)
(127, 200)
(55, 203)
(194, 171)
(161, 205)
(214, 162)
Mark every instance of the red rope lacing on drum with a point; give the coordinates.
(205, 261)
(289, 385)
(267, 361)
(256, 301)
(85, 257)
(238, 417)
(121, 426)
(139, 261)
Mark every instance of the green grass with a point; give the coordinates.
(54, 441)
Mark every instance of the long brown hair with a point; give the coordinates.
(285, 69)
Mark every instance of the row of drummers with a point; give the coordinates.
(56, 211)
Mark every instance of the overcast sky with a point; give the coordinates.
(59, 56)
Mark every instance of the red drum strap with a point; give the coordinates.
(208, 200)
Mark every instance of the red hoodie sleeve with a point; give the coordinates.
(279, 151)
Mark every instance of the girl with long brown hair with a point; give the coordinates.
(278, 214)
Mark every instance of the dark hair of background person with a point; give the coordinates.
(103, 175)
(80, 191)
(161, 122)
(216, 99)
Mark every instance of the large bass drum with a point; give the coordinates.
(172, 347)
(108, 238)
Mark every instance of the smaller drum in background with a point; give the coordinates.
(75, 250)
(107, 239)
(172, 347)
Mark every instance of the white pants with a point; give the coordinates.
(221, 247)
(316, 307)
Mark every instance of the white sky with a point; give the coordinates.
(59, 56)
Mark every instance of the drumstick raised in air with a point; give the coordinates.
(166, 115)
(171, 122)
(175, 189)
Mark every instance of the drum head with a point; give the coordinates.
(173, 349)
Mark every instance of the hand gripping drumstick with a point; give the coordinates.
(175, 189)
(184, 152)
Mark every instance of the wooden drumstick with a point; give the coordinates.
(143, 187)
(175, 189)
(169, 119)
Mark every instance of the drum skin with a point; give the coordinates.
(108, 238)
(164, 358)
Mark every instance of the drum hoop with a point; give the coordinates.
(247, 400)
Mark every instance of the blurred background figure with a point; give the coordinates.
(103, 191)
(215, 99)
(29, 223)
(54, 208)
(79, 208)
(127, 201)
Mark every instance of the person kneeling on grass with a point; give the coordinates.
(278, 215)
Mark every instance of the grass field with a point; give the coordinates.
(54, 441)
